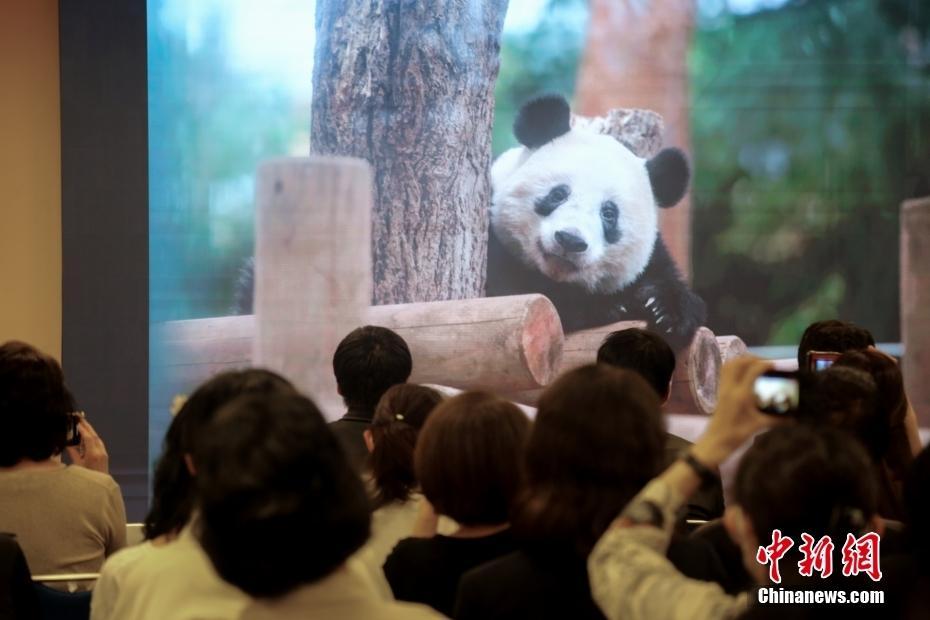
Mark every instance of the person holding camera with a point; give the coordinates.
(66, 518)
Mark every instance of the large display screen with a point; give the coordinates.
(804, 126)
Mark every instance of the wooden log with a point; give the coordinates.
(694, 383)
(731, 347)
(495, 343)
(312, 267)
(499, 344)
(697, 374)
(915, 304)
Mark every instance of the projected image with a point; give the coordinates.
(719, 168)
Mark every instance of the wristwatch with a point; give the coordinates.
(707, 475)
(644, 512)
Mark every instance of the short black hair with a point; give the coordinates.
(173, 488)
(801, 479)
(469, 457)
(832, 335)
(280, 504)
(598, 438)
(643, 352)
(367, 362)
(35, 404)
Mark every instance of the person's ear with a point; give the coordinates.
(369, 440)
(189, 463)
(876, 524)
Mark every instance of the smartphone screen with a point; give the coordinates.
(777, 392)
(820, 360)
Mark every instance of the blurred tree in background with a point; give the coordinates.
(536, 60)
(810, 125)
(209, 127)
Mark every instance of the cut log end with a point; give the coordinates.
(542, 340)
(696, 378)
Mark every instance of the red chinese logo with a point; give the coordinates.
(773, 553)
(860, 555)
(816, 557)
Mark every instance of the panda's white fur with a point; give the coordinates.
(597, 168)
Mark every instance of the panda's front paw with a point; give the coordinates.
(675, 317)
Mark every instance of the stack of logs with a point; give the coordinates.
(313, 283)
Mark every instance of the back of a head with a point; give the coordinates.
(469, 457)
(34, 404)
(889, 382)
(173, 488)
(597, 439)
(399, 416)
(281, 506)
(832, 335)
(367, 362)
(801, 479)
(845, 398)
(643, 352)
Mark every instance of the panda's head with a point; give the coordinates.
(576, 204)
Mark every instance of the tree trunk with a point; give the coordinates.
(409, 86)
(915, 304)
(636, 57)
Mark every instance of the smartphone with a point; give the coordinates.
(777, 392)
(73, 436)
(820, 360)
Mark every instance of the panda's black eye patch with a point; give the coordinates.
(609, 216)
(548, 203)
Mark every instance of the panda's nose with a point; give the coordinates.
(571, 241)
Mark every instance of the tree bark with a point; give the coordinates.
(409, 86)
(636, 57)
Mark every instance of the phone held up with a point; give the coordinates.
(778, 392)
(73, 436)
(820, 360)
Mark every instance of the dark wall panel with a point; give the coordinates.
(104, 169)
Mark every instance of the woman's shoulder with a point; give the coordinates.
(90, 478)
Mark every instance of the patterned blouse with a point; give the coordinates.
(631, 579)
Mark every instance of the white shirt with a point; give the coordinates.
(174, 581)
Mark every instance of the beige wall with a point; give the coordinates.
(30, 174)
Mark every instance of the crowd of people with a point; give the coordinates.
(420, 504)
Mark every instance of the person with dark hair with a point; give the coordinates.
(847, 398)
(907, 577)
(282, 511)
(391, 439)
(794, 478)
(895, 414)
(647, 354)
(67, 518)
(468, 461)
(169, 570)
(367, 362)
(832, 336)
(596, 441)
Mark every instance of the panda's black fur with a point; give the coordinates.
(657, 295)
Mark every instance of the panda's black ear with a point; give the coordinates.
(669, 175)
(542, 119)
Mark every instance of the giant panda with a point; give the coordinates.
(574, 216)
